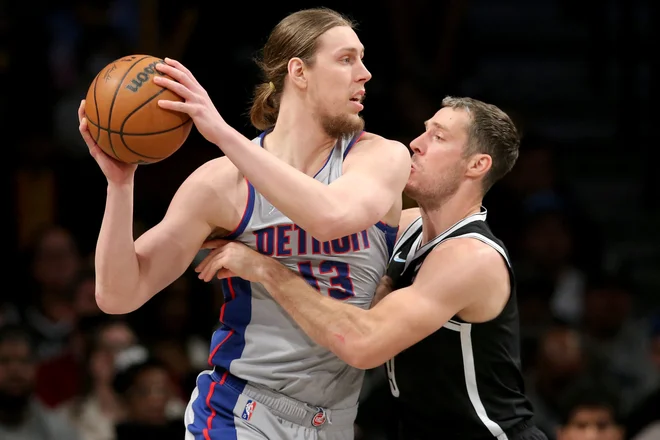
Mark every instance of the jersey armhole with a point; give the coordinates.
(410, 230)
(247, 214)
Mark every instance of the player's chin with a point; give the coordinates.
(410, 189)
(355, 107)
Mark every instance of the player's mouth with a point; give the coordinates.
(357, 99)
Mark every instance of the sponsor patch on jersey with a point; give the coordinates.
(248, 410)
(319, 418)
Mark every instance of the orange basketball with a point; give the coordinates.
(123, 115)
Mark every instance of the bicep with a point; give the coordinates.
(448, 281)
(372, 180)
(403, 318)
(165, 251)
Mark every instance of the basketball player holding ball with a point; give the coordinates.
(289, 193)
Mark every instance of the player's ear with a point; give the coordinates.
(478, 165)
(297, 72)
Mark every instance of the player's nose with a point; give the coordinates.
(417, 145)
(363, 73)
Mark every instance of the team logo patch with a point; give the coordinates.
(248, 410)
(319, 418)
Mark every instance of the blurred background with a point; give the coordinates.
(577, 212)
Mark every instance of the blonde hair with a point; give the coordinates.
(295, 36)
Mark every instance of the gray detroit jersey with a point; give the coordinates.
(257, 340)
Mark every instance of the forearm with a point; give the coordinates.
(341, 328)
(313, 205)
(116, 263)
(384, 288)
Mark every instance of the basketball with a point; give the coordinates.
(123, 115)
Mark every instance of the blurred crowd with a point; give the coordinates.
(591, 351)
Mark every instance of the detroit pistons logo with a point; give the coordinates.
(319, 418)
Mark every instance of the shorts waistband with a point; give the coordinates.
(290, 409)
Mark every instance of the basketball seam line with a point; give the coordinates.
(121, 130)
(111, 132)
(96, 105)
(114, 98)
(139, 134)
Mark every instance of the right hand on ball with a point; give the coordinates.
(115, 171)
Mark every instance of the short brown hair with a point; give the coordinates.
(491, 132)
(295, 36)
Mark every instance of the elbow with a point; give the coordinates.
(357, 360)
(333, 224)
(109, 305)
(364, 361)
(360, 355)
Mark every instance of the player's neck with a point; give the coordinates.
(437, 219)
(300, 141)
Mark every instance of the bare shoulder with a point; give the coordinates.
(371, 141)
(218, 189)
(219, 171)
(479, 255)
(475, 272)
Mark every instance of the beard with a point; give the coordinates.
(341, 125)
(432, 195)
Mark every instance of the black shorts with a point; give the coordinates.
(522, 431)
(526, 432)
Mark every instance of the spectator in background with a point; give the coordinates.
(535, 185)
(59, 377)
(55, 264)
(170, 328)
(534, 295)
(616, 338)
(591, 412)
(560, 364)
(145, 387)
(547, 250)
(22, 417)
(643, 422)
(97, 408)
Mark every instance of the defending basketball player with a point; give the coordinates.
(289, 193)
(448, 331)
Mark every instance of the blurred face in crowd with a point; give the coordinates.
(588, 423)
(148, 396)
(548, 242)
(561, 359)
(17, 372)
(112, 339)
(56, 260)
